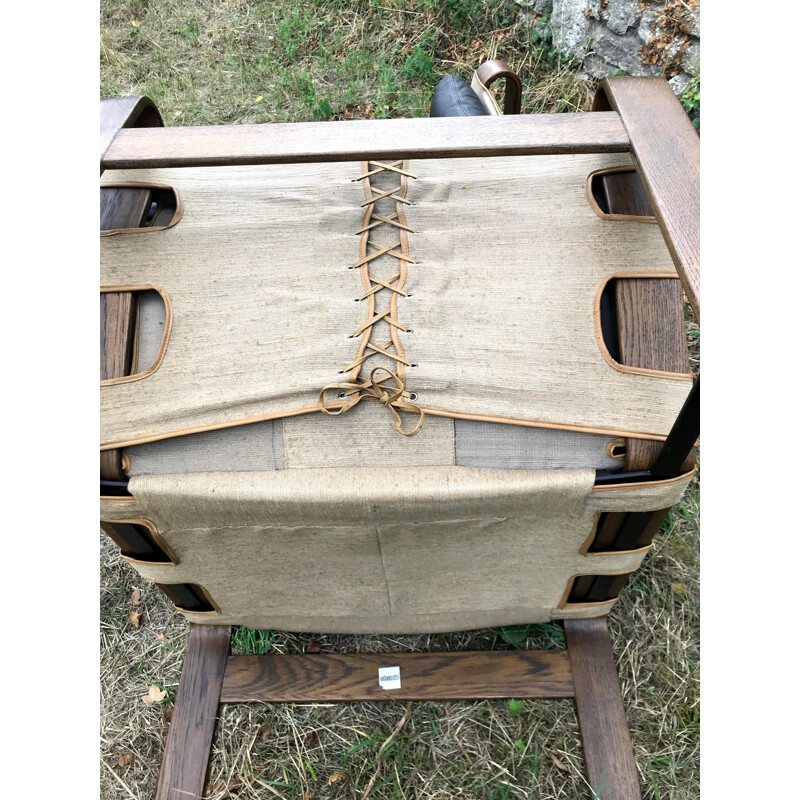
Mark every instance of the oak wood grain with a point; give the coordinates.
(185, 762)
(331, 677)
(625, 194)
(666, 150)
(357, 140)
(117, 332)
(607, 746)
(117, 328)
(652, 329)
(652, 335)
(123, 206)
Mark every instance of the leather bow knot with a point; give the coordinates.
(373, 390)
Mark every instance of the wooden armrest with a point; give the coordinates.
(666, 150)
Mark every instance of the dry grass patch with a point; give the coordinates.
(242, 62)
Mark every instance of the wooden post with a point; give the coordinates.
(601, 715)
(185, 762)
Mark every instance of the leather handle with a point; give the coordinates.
(490, 71)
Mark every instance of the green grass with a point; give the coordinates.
(247, 642)
(690, 100)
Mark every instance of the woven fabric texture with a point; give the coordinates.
(361, 438)
(383, 550)
(510, 257)
(150, 321)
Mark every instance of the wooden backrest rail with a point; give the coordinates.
(359, 140)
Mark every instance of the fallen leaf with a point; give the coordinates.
(168, 709)
(309, 795)
(266, 733)
(679, 589)
(337, 776)
(259, 98)
(154, 695)
(559, 764)
(161, 638)
(134, 23)
(135, 618)
(125, 759)
(136, 597)
(313, 647)
(312, 740)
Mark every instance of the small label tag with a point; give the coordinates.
(389, 677)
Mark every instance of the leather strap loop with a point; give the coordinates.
(490, 71)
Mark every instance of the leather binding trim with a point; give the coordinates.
(599, 211)
(173, 561)
(141, 287)
(176, 217)
(210, 600)
(488, 100)
(434, 412)
(648, 485)
(487, 73)
(357, 387)
(598, 330)
(584, 548)
(565, 606)
(612, 447)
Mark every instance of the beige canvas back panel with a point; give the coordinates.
(510, 255)
(384, 550)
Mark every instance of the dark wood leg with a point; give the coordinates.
(601, 715)
(185, 762)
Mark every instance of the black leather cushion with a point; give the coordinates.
(454, 98)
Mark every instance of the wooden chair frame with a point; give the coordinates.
(637, 115)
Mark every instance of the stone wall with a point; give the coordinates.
(637, 37)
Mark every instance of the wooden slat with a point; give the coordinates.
(625, 194)
(666, 151)
(122, 112)
(123, 206)
(652, 335)
(601, 714)
(117, 316)
(330, 677)
(652, 329)
(357, 140)
(183, 768)
(117, 334)
(119, 208)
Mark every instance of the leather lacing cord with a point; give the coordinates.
(356, 388)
